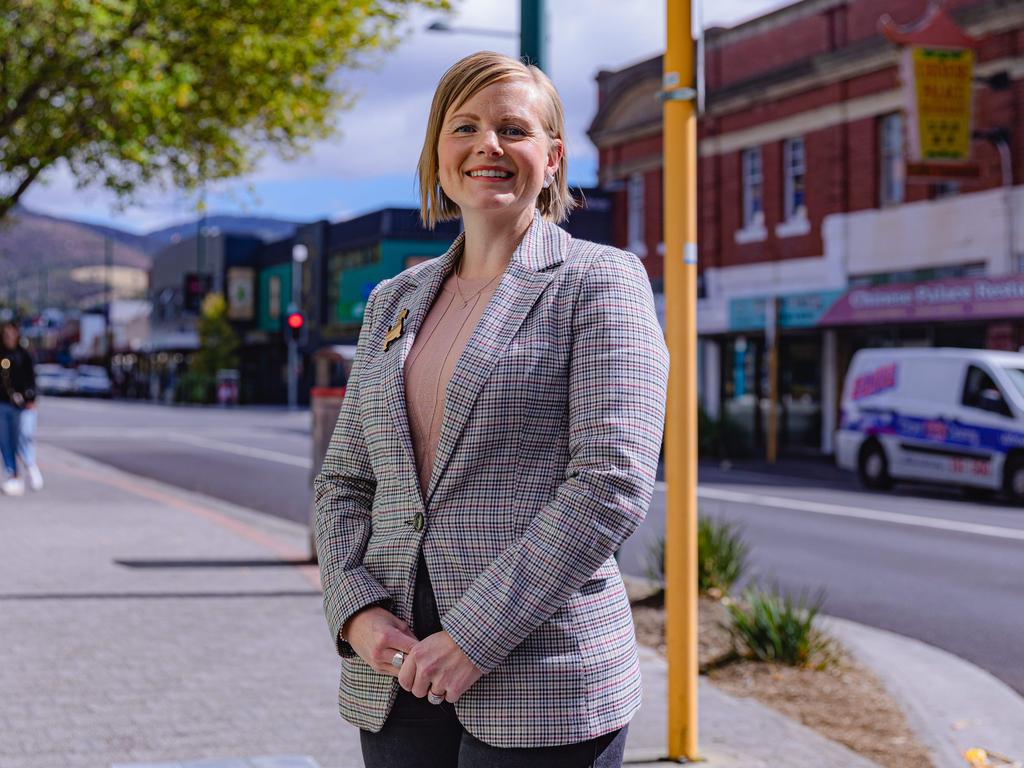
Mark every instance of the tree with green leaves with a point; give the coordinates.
(218, 342)
(129, 92)
(218, 350)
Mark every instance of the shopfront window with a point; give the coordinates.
(746, 395)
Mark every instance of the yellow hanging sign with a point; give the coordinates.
(941, 103)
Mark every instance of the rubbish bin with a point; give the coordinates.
(331, 368)
(325, 403)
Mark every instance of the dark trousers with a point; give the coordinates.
(418, 734)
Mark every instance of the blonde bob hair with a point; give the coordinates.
(465, 79)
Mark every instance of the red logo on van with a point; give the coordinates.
(873, 382)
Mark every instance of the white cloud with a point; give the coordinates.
(382, 134)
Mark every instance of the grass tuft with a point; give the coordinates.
(777, 628)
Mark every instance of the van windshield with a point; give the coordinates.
(1016, 375)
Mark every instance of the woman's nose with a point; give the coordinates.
(489, 143)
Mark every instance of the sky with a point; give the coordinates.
(370, 161)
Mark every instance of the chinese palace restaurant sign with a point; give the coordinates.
(961, 299)
(937, 70)
(936, 300)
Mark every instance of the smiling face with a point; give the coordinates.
(494, 151)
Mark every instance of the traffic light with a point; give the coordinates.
(296, 322)
(196, 287)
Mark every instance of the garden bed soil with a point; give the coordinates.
(845, 703)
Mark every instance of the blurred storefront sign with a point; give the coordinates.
(241, 293)
(955, 300)
(937, 72)
(801, 310)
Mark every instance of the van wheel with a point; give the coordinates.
(873, 467)
(1013, 479)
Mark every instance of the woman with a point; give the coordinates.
(17, 397)
(498, 441)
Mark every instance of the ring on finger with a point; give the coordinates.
(435, 698)
(397, 659)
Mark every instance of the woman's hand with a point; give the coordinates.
(376, 635)
(437, 664)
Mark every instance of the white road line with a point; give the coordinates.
(243, 450)
(836, 510)
(150, 433)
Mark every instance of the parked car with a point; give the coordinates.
(93, 381)
(53, 379)
(952, 416)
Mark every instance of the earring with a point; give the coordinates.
(548, 180)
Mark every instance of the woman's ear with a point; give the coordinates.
(555, 156)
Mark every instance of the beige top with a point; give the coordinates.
(429, 365)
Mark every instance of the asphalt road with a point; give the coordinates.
(921, 562)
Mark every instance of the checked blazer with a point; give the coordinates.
(545, 464)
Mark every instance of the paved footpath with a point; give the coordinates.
(141, 624)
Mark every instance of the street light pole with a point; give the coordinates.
(999, 138)
(299, 255)
(532, 29)
(532, 32)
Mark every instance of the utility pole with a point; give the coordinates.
(679, 96)
(532, 33)
(771, 338)
(108, 331)
(43, 280)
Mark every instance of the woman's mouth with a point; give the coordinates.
(489, 174)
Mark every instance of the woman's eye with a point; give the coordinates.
(514, 130)
(463, 129)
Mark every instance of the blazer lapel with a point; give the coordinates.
(517, 292)
(431, 277)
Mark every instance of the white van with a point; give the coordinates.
(953, 416)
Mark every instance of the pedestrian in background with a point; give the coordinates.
(498, 441)
(17, 396)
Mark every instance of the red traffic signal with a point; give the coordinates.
(296, 321)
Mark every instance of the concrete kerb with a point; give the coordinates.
(951, 704)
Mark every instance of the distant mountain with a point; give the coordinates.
(46, 259)
(264, 228)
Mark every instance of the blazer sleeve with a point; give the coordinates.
(618, 381)
(343, 494)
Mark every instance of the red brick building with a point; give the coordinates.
(803, 199)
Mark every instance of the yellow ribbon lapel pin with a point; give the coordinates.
(396, 331)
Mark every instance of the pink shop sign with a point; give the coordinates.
(938, 300)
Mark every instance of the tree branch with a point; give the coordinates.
(8, 202)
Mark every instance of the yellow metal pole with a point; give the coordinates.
(680, 222)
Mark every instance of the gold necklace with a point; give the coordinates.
(465, 301)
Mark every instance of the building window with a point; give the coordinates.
(891, 170)
(753, 189)
(794, 169)
(274, 297)
(635, 215)
(943, 189)
(753, 198)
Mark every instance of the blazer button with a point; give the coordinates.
(418, 521)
